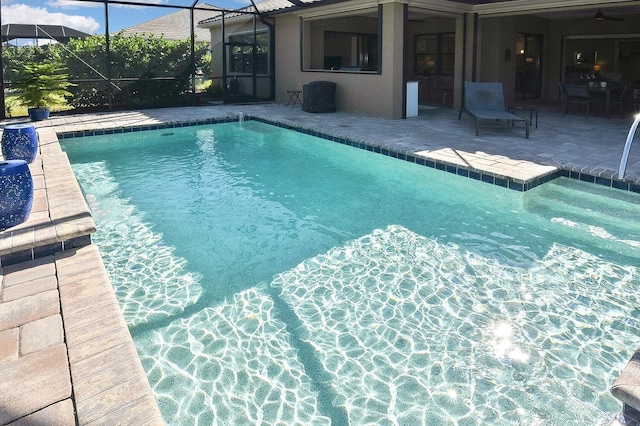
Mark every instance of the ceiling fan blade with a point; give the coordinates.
(599, 16)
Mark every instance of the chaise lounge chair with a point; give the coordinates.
(485, 101)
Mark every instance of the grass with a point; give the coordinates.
(13, 108)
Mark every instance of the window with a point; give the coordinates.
(343, 43)
(245, 56)
(350, 51)
(435, 54)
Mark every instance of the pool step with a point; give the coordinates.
(587, 206)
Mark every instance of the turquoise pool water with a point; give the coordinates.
(270, 277)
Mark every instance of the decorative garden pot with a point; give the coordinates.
(20, 142)
(16, 193)
(38, 114)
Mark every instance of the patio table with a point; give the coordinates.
(598, 89)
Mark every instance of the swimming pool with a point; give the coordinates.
(282, 279)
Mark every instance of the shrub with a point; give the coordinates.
(148, 71)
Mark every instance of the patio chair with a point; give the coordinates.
(577, 94)
(629, 99)
(485, 101)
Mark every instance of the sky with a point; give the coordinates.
(89, 17)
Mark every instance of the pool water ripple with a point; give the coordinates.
(410, 350)
(150, 281)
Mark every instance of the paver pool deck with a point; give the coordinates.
(66, 355)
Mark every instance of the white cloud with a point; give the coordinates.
(71, 4)
(24, 14)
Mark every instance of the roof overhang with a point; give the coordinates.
(515, 7)
(59, 33)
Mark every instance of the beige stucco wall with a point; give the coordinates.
(500, 34)
(371, 94)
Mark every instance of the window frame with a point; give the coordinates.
(306, 48)
(247, 58)
(439, 54)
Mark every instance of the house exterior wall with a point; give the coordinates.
(382, 94)
(500, 34)
(372, 94)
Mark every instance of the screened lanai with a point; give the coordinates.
(439, 43)
(161, 62)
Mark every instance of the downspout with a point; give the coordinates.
(272, 50)
(193, 53)
(405, 61)
(224, 55)
(108, 52)
(474, 62)
(2, 105)
(464, 59)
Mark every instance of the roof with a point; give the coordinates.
(482, 7)
(59, 33)
(176, 25)
(266, 6)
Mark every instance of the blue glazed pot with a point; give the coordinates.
(16, 193)
(38, 114)
(20, 142)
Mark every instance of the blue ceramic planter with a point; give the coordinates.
(16, 193)
(38, 114)
(20, 142)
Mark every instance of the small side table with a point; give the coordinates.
(294, 98)
(532, 112)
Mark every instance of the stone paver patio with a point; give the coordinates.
(66, 356)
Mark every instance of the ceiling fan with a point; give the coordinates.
(599, 16)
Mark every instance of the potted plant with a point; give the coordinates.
(40, 86)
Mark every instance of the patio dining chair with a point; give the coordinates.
(620, 99)
(576, 94)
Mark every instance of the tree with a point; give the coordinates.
(41, 85)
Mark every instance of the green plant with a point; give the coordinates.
(42, 85)
(146, 70)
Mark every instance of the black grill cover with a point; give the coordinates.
(319, 96)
